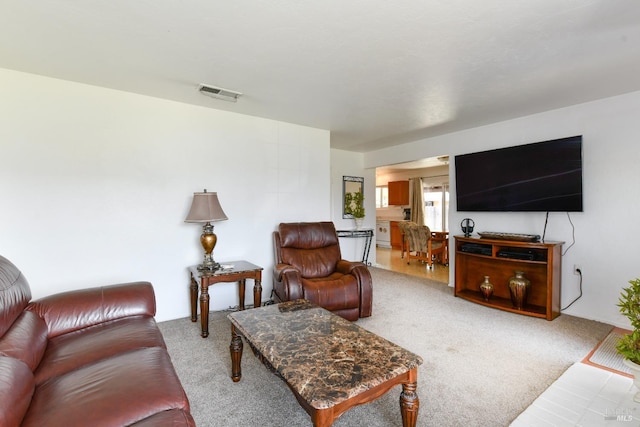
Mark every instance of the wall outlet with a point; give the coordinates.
(577, 270)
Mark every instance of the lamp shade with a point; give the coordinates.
(205, 208)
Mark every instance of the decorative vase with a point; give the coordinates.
(486, 288)
(635, 370)
(519, 288)
(358, 222)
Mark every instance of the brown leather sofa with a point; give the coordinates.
(92, 357)
(309, 265)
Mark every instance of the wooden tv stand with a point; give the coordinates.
(499, 259)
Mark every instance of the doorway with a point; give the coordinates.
(435, 182)
(436, 201)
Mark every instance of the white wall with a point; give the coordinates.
(606, 236)
(96, 184)
(347, 163)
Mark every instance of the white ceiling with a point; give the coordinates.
(375, 73)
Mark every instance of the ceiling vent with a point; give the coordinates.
(219, 93)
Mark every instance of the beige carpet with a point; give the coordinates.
(482, 367)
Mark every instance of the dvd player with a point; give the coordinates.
(475, 248)
(517, 255)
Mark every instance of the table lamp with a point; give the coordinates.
(206, 208)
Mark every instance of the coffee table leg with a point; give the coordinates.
(236, 355)
(322, 417)
(409, 404)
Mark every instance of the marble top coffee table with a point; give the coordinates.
(329, 363)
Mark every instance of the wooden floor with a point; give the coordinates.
(390, 259)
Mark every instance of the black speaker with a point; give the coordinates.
(467, 225)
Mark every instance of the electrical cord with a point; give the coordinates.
(579, 296)
(573, 237)
(573, 242)
(573, 232)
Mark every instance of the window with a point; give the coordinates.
(436, 206)
(382, 197)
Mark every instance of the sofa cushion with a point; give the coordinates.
(16, 389)
(25, 340)
(336, 292)
(76, 349)
(14, 294)
(117, 391)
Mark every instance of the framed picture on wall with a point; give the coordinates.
(350, 185)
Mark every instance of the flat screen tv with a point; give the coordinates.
(539, 177)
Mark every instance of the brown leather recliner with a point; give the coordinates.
(309, 266)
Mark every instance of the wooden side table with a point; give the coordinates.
(240, 271)
(367, 233)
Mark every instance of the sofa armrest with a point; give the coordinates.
(70, 311)
(287, 282)
(347, 267)
(366, 290)
(363, 276)
(279, 270)
(16, 390)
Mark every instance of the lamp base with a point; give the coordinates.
(208, 240)
(209, 266)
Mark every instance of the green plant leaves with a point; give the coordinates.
(629, 305)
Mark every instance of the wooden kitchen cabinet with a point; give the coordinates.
(396, 235)
(398, 192)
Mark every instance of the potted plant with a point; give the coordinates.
(629, 345)
(354, 205)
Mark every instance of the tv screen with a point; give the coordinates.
(540, 177)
